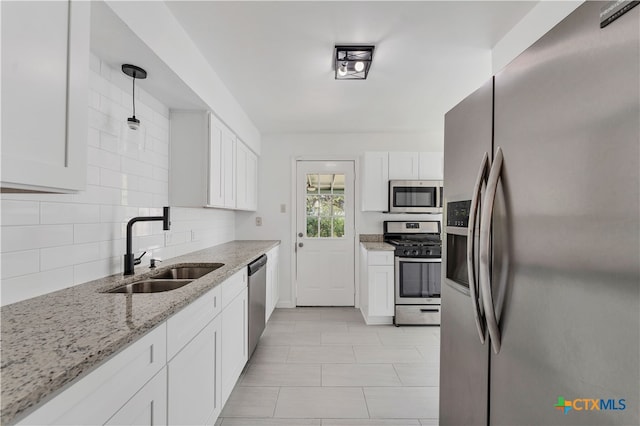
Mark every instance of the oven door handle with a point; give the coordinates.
(485, 250)
(471, 234)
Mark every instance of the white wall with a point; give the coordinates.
(544, 16)
(53, 241)
(274, 184)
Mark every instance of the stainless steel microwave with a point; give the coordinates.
(415, 196)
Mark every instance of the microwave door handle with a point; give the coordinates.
(471, 232)
(485, 250)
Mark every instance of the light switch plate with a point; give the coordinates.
(283, 208)
(258, 221)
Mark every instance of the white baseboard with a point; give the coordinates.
(287, 304)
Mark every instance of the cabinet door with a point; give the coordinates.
(45, 66)
(148, 407)
(216, 163)
(381, 292)
(404, 165)
(229, 168)
(272, 282)
(375, 181)
(242, 196)
(194, 379)
(431, 165)
(97, 396)
(234, 342)
(246, 178)
(252, 181)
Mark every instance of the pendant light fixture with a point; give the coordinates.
(134, 72)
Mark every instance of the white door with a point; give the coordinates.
(325, 233)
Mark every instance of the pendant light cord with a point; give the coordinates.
(134, 95)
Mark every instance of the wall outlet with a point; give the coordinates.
(283, 208)
(195, 235)
(258, 221)
(168, 238)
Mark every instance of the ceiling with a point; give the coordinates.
(276, 59)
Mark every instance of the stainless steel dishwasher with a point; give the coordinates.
(257, 299)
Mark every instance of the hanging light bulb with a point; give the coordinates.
(359, 66)
(135, 72)
(342, 71)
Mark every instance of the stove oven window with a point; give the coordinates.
(419, 279)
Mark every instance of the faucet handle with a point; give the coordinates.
(152, 263)
(138, 260)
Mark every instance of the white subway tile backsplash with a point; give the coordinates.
(32, 285)
(95, 232)
(136, 167)
(53, 241)
(102, 158)
(16, 212)
(93, 270)
(58, 213)
(57, 257)
(16, 238)
(18, 263)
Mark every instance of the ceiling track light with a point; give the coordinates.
(134, 72)
(352, 62)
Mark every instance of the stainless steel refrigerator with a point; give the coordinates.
(540, 301)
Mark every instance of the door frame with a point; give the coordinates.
(294, 216)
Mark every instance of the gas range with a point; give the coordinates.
(418, 266)
(414, 239)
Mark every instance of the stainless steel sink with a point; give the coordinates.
(150, 286)
(186, 272)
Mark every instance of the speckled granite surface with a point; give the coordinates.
(50, 340)
(378, 246)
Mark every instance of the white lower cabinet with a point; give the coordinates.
(377, 291)
(194, 379)
(147, 407)
(234, 341)
(108, 389)
(272, 282)
(180, 373)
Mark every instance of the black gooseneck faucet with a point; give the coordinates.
(129, 259)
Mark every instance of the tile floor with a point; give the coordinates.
(325, 366)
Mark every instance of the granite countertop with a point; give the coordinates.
(50, 340)
(377, 246)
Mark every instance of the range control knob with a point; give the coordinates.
(407, 252)
(416, 252)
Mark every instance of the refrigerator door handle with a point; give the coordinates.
(485, 250)
(473, 214)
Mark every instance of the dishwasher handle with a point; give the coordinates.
(257, 264)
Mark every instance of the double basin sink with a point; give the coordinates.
(168, 279)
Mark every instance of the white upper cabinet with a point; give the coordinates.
(431, 166)
(375, 181)
(45, 67)
(222, 160)
(246, 178)
(209, 166)
(404, 165)
(380, 167)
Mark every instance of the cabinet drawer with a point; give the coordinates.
(418, 314)
(183, 326)
(380, 258)
(233, 286)
(96, 397)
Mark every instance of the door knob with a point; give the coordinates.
(300, 234)
(300, 244)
